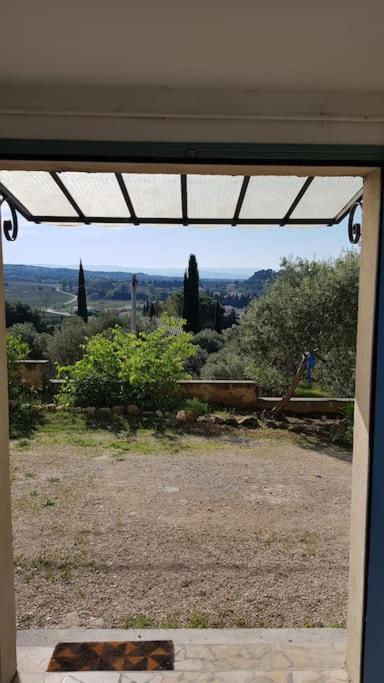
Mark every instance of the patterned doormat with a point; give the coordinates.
(148, 655)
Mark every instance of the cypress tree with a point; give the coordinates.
(219, 317)
(191, 303)
(185, 299)
(82, 310)
(152, 311)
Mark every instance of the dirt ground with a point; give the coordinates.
(142, 528)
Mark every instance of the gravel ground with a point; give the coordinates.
(239, 529)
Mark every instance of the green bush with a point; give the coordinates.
(226, 364)
(269, 380)
(94, 380)
(16, 350)
(23, 416)
(342, 433)
(124, 368)
(36, 341)
(194, 405)
(209, 340)
(65, 346)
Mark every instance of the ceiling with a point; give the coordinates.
(304, 45)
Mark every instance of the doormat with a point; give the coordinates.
(148, 655)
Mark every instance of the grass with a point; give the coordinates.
(50, 569)
(305, 390)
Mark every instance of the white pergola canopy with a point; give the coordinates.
(174, 199)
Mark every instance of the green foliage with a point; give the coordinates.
(194, 405)
(65, 345)
(270, 380)
(23, 416)
(209, 340)
(219, 317)
(94, 380)
(35, 341)
(310, 306)
(226, 364)
(125, 368)
(16, 350)
(342, 433)
(22, 313)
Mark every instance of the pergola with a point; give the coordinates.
(180, 199)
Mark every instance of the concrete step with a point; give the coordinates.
(202, 655)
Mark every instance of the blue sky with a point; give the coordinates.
(160, 247)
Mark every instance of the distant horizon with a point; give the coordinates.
(206, 273)
(224, 249)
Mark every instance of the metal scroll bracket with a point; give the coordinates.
(354, 227)
(9, 226)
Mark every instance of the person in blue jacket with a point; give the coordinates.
(310, 365)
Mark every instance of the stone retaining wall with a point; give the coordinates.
(237, 394)
(34, 373)
(227, 393)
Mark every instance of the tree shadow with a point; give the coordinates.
(325, 448)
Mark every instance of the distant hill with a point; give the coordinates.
(49, 286)
(260, 279)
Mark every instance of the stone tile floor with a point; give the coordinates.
(202, 656)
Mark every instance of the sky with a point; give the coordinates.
(162, 248)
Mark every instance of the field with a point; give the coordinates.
(36, 295)
(116, 526)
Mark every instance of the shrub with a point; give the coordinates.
(16, 350)
(22, 414)
(270, 381)
(94, 380)
(36, 341)
(65, 346)
(226, 364)
(343, 432)
(208, 340)
(125, 368)
(194, 405)
(153, 363)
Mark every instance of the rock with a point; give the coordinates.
(133, 410)
(302, 429)
(273, 424)
(90, 410)
(206, 419)
(50, 407)
(159, 413)
(148, 413)
(181, 416)
(118, 410)
(230, 422)
(104, 411)
(249, 421)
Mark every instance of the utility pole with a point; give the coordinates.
(133, 303)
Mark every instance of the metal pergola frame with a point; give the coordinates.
(184, 219)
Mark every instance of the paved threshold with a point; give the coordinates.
(202, 655)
